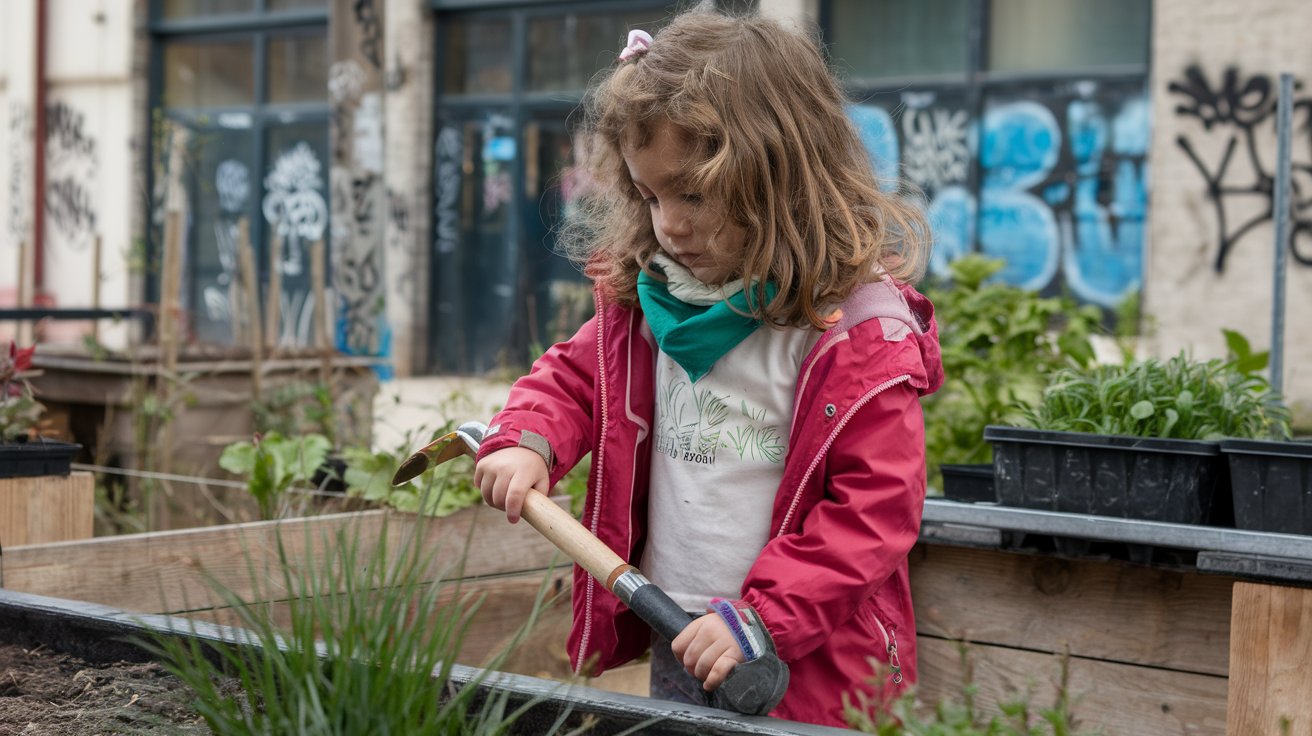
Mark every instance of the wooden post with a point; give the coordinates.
(48, 508)
(318, 276)
(25, 331)
(97, 245)
(251, 290)
(273, 303)
(1270, 657)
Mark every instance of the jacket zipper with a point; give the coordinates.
(600, 462)
(797, 495)
(890, 646)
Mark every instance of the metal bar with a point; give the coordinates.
(1261, 567)
(1284, 124)
(1111, 529)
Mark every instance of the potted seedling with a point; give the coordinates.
(1139, 440)
(23, 452)
(1271, 478)
(1000, 343)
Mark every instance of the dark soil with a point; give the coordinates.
(47, 692)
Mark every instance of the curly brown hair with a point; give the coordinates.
(768, 142)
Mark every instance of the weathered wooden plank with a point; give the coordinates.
(163, 572)
(48, 508)
(1101, 609)
(505, 607)
(1120, 699)
(1271, 659)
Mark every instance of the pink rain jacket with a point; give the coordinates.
(831, 584)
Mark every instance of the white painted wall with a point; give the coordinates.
(16, 85)
(89, 154)
(1186, 300)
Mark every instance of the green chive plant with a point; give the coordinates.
(1176, 398)
(369, 645)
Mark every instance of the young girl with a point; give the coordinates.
(749, 387)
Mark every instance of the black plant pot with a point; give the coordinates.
(36, 457)
(330, 477)
(968, 483)
(1272, 484)
(1127, 477)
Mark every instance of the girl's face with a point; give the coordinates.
(685, 224)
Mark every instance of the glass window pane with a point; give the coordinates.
(294, 205)
(566, 50)
(209, 74)
(193, 8)
(556, 176)
(1047, 35)
(477, 257)
(296, 4)
(219, 192)
(898, 38)
(478, 56)
(298, 69)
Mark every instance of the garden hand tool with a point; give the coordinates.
(754, 687)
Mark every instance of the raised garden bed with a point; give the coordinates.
(99, 634)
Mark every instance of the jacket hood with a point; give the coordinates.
(904, 314)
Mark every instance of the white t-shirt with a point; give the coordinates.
(717, 459)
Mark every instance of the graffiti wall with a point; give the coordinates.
(357, 190)
(1051, 178)
(1211, 264)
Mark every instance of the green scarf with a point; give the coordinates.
(696, 336)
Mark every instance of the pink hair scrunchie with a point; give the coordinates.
(639, 42)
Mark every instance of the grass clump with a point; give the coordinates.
(367, 645)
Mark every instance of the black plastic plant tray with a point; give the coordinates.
(1272, 484)
(1127, 477)
(968, 483)
(36, 457)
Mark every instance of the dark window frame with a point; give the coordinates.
(258, 26)
(519, 104)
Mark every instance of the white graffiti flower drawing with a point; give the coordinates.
(294, 204)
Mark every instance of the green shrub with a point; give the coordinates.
(273, 464)
(1000, 343)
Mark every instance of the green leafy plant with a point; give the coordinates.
(369, 648)
(1178, 398)
(273, 464)
(297, 407)
(999, 345)
(962, 715)
(19, 409)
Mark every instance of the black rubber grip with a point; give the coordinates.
(662, 614)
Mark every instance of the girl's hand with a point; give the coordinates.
(708, 650)
(506, 476)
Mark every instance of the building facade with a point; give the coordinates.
(414, 158)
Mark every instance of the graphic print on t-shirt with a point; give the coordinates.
(694, 425)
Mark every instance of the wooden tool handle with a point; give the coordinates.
(564, 531)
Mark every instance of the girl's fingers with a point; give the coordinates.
(723, 666)
(707, 662)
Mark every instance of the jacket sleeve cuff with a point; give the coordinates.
(539, 444)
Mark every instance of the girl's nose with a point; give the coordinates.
(674, 222)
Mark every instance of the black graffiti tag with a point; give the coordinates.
(1243, 106)
(371, 44)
